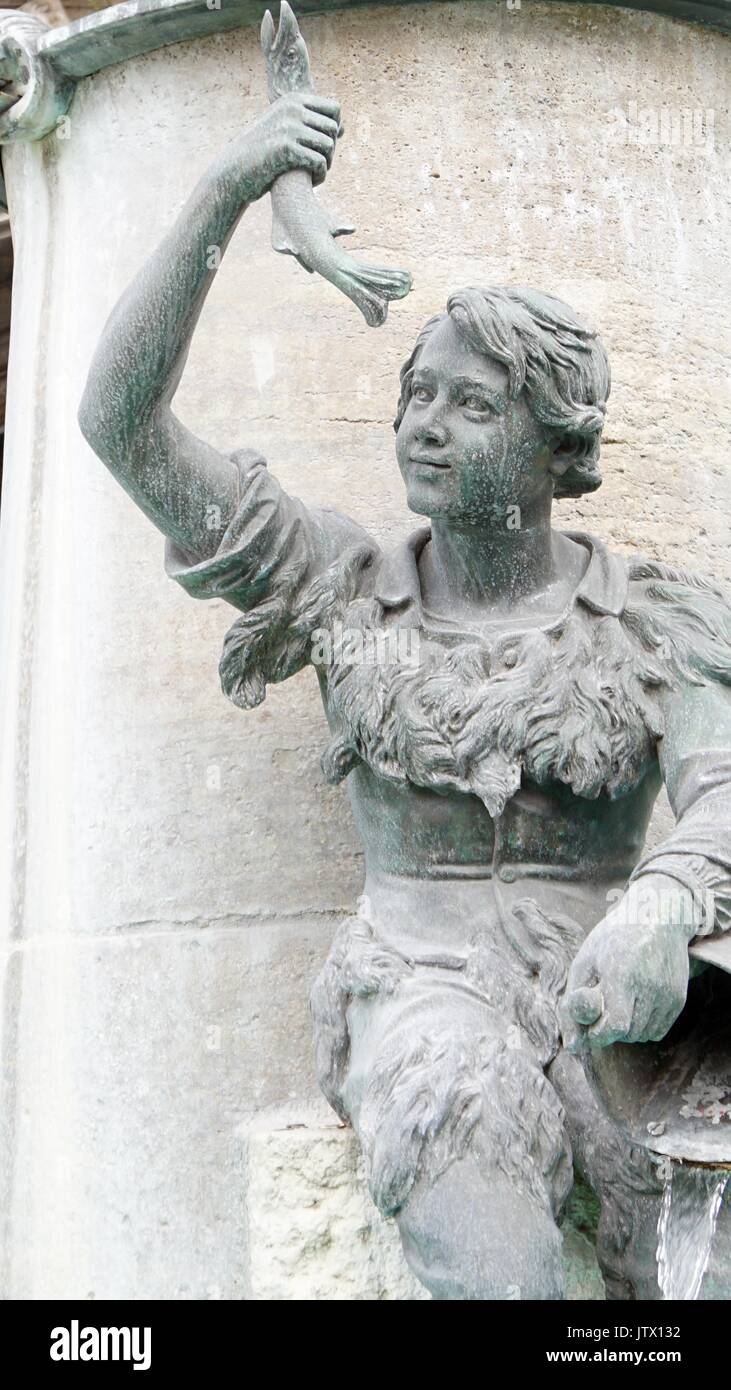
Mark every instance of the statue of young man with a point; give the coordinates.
(502, 768)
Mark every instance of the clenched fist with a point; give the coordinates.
(298, 131)
(629, 980)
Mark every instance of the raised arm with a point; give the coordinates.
(178, 480)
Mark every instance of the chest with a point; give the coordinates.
(481, 713)
(543, 832)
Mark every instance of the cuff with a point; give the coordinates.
(688, 872)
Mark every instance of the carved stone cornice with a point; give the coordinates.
(44, 93)
(55, 58)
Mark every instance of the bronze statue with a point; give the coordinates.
(504, 700)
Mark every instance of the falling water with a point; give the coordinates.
(690, 1206)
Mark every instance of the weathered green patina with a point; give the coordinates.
(140, 26)
(504, 700)
(57, 58)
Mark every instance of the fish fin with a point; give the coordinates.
(283, 242)
(337, 225)
(371, 287)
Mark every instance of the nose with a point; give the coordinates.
(430, 428)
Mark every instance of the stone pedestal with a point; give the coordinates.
(172, 870)
(314, 1233)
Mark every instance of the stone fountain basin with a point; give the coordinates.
(674, 1096)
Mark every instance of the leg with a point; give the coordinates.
(624, 1179)
(473, 1234)
(466, 1147)
(463, 1135)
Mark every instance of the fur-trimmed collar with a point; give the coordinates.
(576, 701)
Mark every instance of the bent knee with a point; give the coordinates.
(476, 1235)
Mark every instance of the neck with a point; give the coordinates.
(493, 564)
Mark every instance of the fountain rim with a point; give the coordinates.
(136, 27)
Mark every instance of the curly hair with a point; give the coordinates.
(561, 363)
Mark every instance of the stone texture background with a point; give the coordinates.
(175, 868)
(314, 1233)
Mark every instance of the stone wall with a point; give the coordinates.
(174, 868)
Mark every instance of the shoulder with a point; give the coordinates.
(325, 525)
(683, 616)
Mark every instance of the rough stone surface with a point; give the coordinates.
(140, 812)
(313, 1231)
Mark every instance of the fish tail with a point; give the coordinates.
(372, 288)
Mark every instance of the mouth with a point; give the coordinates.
(424, 461)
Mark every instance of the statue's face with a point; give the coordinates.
(467, 452)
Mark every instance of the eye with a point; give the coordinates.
(421, 393)
(475, 402)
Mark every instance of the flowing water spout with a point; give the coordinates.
(690, 1206)
(672, 1097)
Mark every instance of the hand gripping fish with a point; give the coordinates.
(300, 227)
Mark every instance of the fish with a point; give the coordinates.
(300, 225)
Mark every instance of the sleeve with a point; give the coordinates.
(695, 759)
(284, 566)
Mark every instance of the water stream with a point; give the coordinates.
(690, 1206)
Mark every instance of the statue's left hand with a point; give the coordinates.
(629, 980)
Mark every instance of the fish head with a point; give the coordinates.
(287, 59)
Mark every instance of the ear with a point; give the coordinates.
(567, 450)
